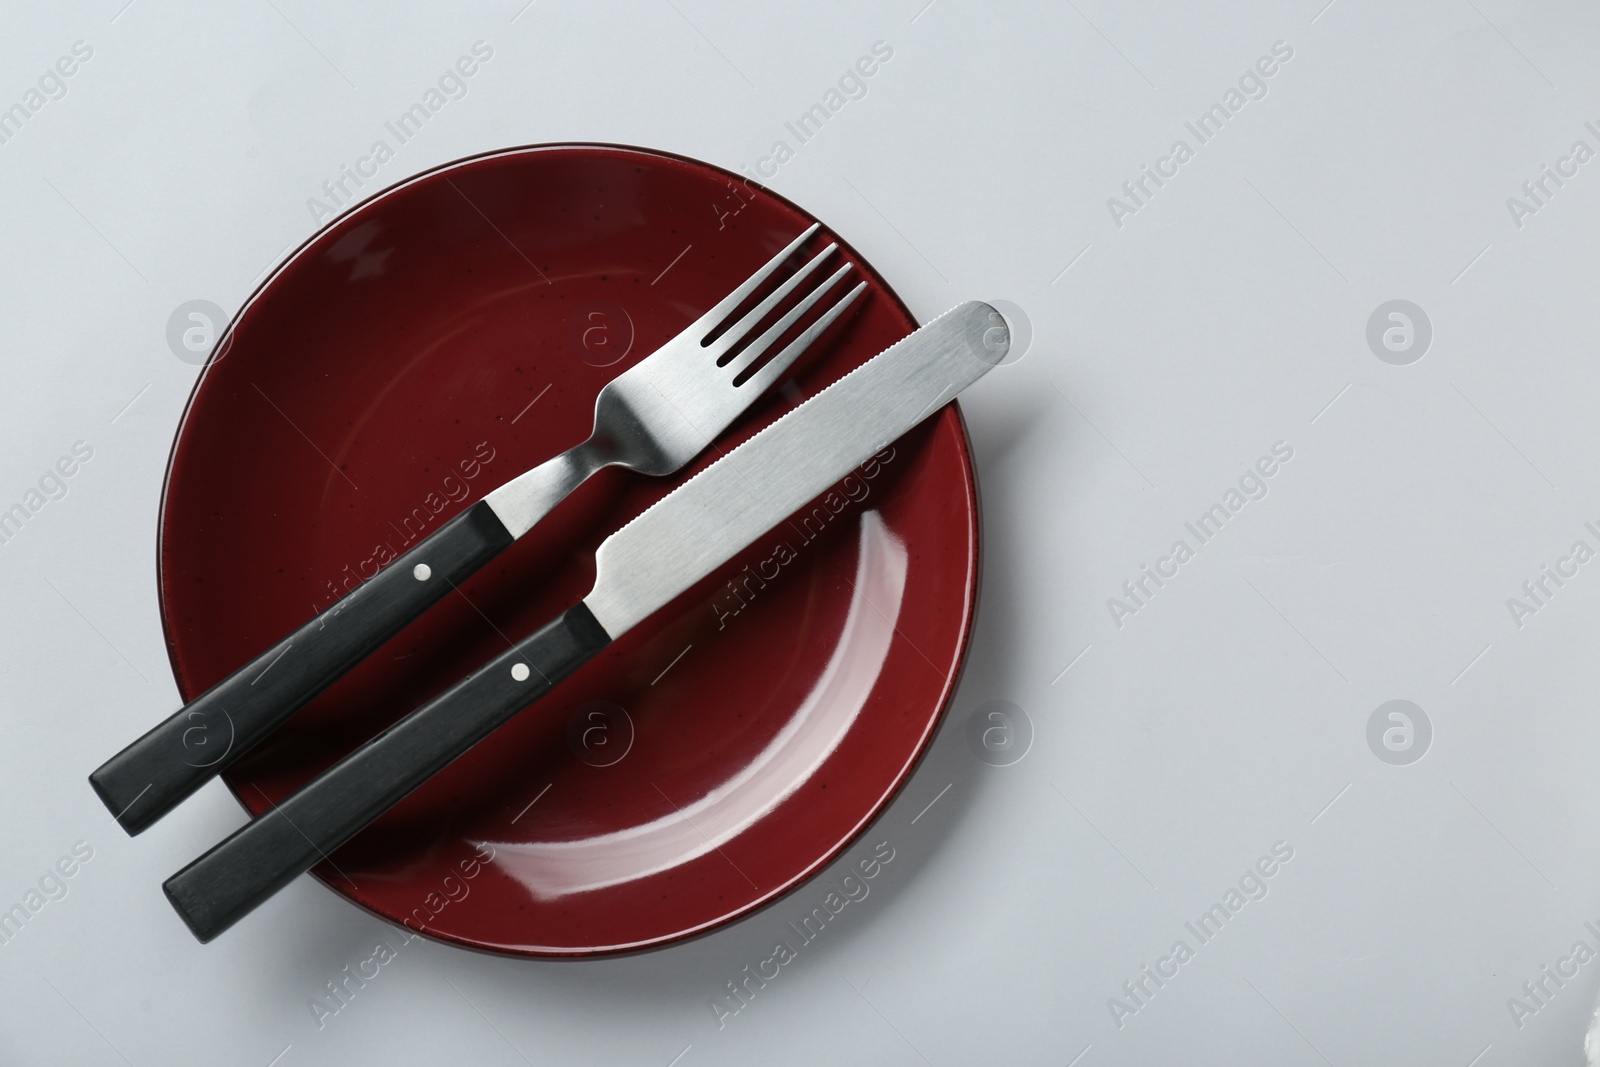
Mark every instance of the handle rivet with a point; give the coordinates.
(422, 572)
(519, 671)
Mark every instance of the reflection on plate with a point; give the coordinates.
(559, 868)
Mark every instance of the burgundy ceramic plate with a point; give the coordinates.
(449, 334)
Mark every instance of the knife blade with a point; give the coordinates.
(640, 568)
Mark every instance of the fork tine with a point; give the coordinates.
(754, 350)
(780, 362)
(736, 333)
(710, 320)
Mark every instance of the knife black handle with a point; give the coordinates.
(153, 775)
(227, 883)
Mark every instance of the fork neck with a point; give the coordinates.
(530, 496)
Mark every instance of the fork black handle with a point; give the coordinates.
(153, 775)
(227, 883)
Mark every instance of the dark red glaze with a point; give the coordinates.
(378, 368)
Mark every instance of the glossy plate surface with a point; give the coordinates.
(442, 338)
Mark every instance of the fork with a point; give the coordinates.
(653, 418)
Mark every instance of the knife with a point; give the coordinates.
(640, 568)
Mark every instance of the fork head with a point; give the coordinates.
(664, 410)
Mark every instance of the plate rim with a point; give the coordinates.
(952, 413)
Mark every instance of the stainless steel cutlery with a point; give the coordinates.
(653, 418)
(640, 568)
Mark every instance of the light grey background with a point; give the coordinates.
(1168, 754)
